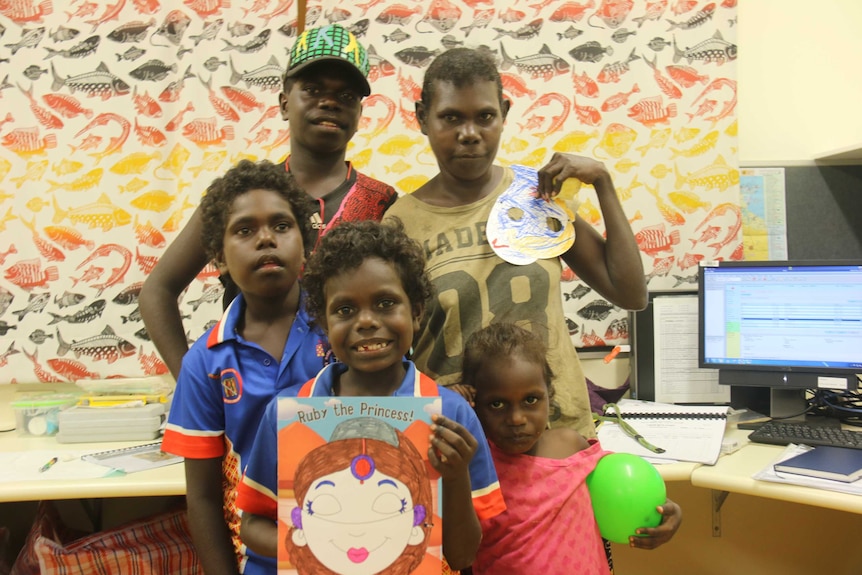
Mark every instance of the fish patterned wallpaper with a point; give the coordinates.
(114, 115)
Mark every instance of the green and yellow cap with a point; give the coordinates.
(332, 43)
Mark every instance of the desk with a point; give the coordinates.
(168, 480)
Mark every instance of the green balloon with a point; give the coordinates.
(625, 490)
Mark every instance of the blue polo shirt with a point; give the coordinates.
(223, 388)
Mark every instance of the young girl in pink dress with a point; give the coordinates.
(548, 526)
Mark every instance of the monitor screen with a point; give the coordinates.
(782, 324)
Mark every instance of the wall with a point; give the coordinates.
(799, 82)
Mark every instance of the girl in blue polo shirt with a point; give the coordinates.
(366, 287)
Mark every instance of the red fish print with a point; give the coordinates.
(619, 99)
(112, 12)
(654, 10)
(178, 119)
(516, 86)
(650, 111)
(722, 212)
(242, 99)
(118, 273)
(613, 12)
(442, 15)
(146, 105)
(557, 121)
(145, 263)
(72, 370)
(43, 116)
(686, 76)
(397, 14)
(28, 274)
(149, 135)
(591, 339)
(23, 11)
(149, 235)
(204, 8)
(587, 114)
(571, 12)
(67, 106)
(152, 364)
(205, 132)
(26, 142)
(652, 240)
(584, 85)
(221, 107)
(68, 238)
(42, 374)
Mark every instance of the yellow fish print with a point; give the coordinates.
(211, 162)
(177, 218)
(99, 214)
(175, 163)
(704, 145)
(135, 185)
(66, 167)
(410, 184)
(86, 182)
(34, 173)
(617, 141)
(575, 141)
(689, 202)
(625, 165)
(154, 201)
(134, 163)
(399, 145)
(658, 138)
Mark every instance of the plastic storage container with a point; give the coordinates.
(37, 413)
(81, 424)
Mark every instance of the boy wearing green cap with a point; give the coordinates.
(321, 97)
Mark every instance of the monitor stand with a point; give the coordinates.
(787, 404)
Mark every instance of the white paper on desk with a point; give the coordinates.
(768, 473)
(25, 466)
(681, 430)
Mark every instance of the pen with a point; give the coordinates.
(48, 465)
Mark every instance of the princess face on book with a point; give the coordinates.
(364, 504)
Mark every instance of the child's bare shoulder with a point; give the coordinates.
(562, 442)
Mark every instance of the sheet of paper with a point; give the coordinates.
(764, 213)
(26, 465)
(678, 379)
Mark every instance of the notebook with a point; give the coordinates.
(826, 462)
(685, 432)
(137, 458)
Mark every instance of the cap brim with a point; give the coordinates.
(360, 81)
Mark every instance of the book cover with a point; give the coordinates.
(836, 463)
(356, 492)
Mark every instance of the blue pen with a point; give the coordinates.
(48, 465)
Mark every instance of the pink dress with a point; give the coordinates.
(548, 526)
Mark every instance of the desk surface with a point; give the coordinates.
(733, 473)
(168, 480)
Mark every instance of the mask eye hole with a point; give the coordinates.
(515, 214)
(554, 224)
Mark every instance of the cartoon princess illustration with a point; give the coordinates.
(364, 504)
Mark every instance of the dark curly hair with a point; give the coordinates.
(462, 67)
(348, 244)
(217, 204)
(498, 342)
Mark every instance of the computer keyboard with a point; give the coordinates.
(785, 432)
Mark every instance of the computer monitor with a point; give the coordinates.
(783, 325)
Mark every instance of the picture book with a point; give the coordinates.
(836, 463)
(356, 492)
